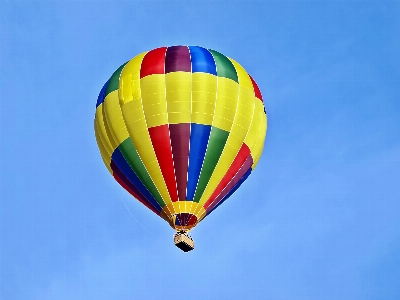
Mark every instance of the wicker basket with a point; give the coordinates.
(183, 241)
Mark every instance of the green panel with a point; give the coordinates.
(215, 146)
(130, 154)
(114, 80)
(225, 68)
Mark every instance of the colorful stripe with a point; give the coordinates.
(153, 62)
(180, 137)
(162, 146)
(177, 59)
(225, 67)
(202, 61)
(180, 128)
(199, 136)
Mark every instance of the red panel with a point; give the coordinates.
(159, 136)
(257, 91)
(239, 160)
(120, 180)
(153, 62)
(192, 220)
(180, 136)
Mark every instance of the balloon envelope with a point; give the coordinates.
(180, 128)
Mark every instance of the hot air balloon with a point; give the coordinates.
(180, 128)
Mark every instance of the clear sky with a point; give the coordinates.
(319, 218)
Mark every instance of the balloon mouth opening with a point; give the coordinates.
(183, 221)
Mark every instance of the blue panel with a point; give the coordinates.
(102, 95)
(199, 135)
(202, 60)
(124, 167)
(237, 185)
(177, 221)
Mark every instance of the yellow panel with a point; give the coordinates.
(133, 116)
(153, 121)
(204, 94)
(114, 118)
(224, 111)
(178, 95)
(228, 98)
(251, 137)
(262, 130)
(100, 141)
(142, 136)
(144, 146)
(235, 141)
(134, 64)
(204, 82)
(245, 111)
(203, 107)
(153, 99)
(155, 109)
(240, 132)
(103, 152)
(222, 123)
(226, 103)
(135, 86)
(241, 124)
(138, 125)
(129, 84)
(153, 85)
(247, 96)
(149, 99)
(178, 81)
(244, 79)
(108, 130)
(179, 107)
(204, 97)
(200, 118)
(101, 125)
(125, 89)
(130, 89)
(133, 105)
(178, 118)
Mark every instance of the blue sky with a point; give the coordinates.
(318, 219)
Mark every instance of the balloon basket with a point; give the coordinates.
(183, 241)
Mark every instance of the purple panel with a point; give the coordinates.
(177, 58)
(183, 218)
(180, 136)
(245, 167)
